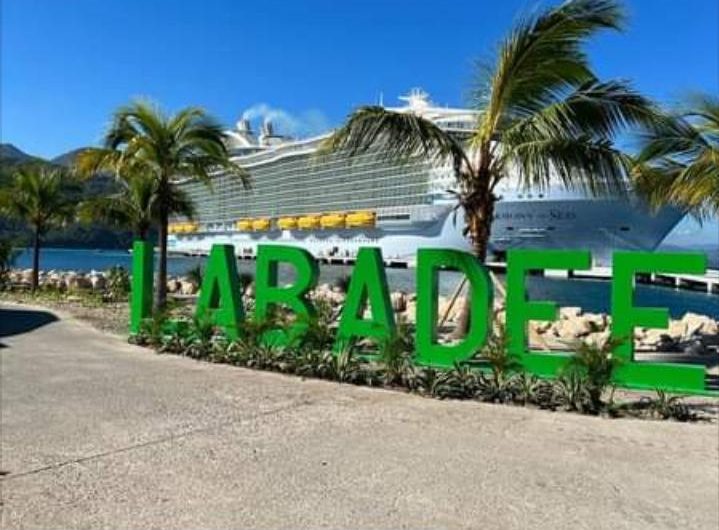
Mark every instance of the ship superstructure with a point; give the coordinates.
(334, 204)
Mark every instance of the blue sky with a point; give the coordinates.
(66, 64)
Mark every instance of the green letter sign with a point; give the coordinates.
(429, 263)
(141, 290)
(220, 297)
(368, 284)
(520, 310)
(625, 317)
(268, 293)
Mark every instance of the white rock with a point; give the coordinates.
(173, 285)
(410, 311)
(187, 287)
(97, 282)
(78, 282)
(541, 326)
(598, 339)
(573, 328)
(598, 321)
(699, 325)
(569, 312)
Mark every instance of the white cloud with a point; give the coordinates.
(305, 123)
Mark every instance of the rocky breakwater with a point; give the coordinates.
(20, 279)
(692, 334)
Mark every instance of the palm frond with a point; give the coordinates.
(679, 160)
(599, 109)
(395, 135)
(542, 57)
(38, 197)
(593, 166)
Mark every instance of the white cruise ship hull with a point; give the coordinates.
(599, 225)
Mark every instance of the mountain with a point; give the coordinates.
(74, 235)
(11, 155)
(67, 159)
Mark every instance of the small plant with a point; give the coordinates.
(570, 391)
(152, 330)
(529, 389)
(594, 364)
(200, 337)
(498, 386)
(461, 382)
(667, 407)
(118, 284)
(317, 332)
(395, 355)
(424, 380)
(343, 367)
(8, 256)
(256, 349)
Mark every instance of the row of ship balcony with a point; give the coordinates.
(336, 220)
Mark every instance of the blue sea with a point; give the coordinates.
(592, 295)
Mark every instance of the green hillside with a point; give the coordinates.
(75, 235)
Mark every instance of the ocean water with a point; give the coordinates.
(592, 295)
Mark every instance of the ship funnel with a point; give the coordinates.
(244, 126)
(267, 128)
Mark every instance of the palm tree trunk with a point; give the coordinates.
(35, 261)
(479, 215)
(161, 292)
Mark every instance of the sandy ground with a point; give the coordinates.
(100, 434)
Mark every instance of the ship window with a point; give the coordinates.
(541, 195)
(550, 228)
(624, 228)
(510, 228)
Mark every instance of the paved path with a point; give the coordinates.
(100, 434)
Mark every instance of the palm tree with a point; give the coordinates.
(38, 197)
(135, 205)
(542, 114)
(679, 160)
(8, 255)
(143, 139)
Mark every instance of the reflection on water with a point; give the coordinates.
(590, 294)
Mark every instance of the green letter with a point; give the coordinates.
(368, 284)
(520, 310)
(220, 293)
(294, 296)
(625, 317)
(429, 262)
(141, 293)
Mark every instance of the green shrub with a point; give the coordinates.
(666, 407)
(593, 365)
(497, 387)
(8, 256)
(395, 356)
(118, 284)
(461, 382)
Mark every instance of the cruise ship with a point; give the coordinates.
(332, 205)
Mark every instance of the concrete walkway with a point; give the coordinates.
(100, 434)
